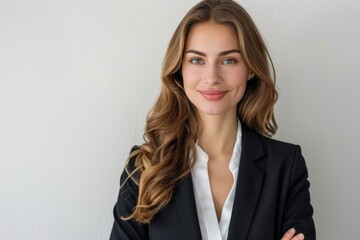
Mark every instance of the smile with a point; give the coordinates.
(213, 95)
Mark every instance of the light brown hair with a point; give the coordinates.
(173, 125)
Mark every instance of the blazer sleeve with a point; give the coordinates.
(127, 199)
(298, 210)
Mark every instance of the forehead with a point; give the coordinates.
(212, 37)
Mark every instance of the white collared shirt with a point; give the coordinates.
(210, 227)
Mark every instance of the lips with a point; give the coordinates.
(213, 95)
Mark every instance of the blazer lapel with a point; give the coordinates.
(186, 207)
(248, 188)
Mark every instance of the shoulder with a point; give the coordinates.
(258, 142)
(130, 162)
(128, 185)
(274, 153)
(279, 147)
(285, 155)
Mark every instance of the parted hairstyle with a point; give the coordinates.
(173, 125)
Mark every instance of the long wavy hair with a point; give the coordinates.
(173, 125)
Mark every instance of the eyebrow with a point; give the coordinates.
(223, 53)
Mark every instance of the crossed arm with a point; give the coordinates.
(290, 235)
(298, 214)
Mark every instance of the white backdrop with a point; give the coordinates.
(77, 79)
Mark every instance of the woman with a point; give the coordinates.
(208, 169)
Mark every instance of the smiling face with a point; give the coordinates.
(214, 73)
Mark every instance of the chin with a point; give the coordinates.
(217, 110)
(212, 112)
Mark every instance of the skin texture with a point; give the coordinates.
(213, 62)
(215, 77)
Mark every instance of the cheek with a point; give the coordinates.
(190, 78)
(237, 78)
(189, 88)
(238, 81)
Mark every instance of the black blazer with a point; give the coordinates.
(272, 195)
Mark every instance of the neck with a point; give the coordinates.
(218, 135)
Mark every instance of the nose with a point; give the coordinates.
(213, 75)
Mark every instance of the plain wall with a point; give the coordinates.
(77, 79)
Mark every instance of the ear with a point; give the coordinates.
(251, 74)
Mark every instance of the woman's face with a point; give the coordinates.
(213, 71)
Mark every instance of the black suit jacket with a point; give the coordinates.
(272, 195)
